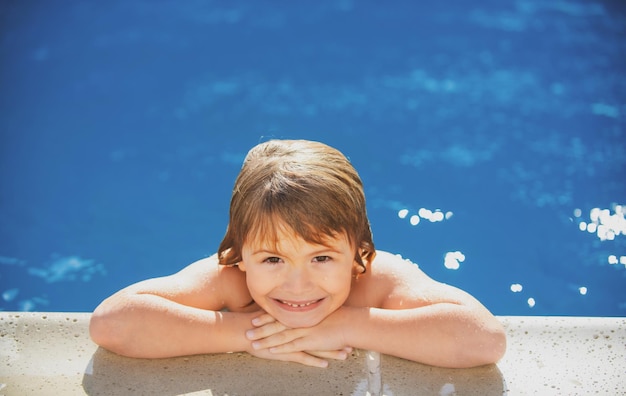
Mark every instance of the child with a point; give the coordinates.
(297, 278)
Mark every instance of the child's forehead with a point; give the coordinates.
(283, 237)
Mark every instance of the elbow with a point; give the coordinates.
(498, 344)
(108, 332)
(494, 348)
(99, 330)
(487, 348)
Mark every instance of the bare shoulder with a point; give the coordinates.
(203, 284)
(400, 284)
(395, 268)
(388, 278)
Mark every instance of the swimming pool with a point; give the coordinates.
(490, 137)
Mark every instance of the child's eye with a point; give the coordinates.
(322, 259)
(272, 260)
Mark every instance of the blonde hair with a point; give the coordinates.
(306, 186)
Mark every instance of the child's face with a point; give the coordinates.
(296, 282)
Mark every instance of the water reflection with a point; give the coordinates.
(423, 213)
(69, 268)
(613, 260)
(58, 269)
(453, 260)
(606, 224)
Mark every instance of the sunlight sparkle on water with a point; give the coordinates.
(582, 290)
(425, 213)
(9, 295)
(614, 260)
(531, 302)
(516, 288)
(435, 216)
(607, 224)
(453, 260)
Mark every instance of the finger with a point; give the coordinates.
(275, 331)
(300, 344)
(285, 340)
(263, 319)
(341, 354)
(297, 357)
(310, 360)
(303, 358)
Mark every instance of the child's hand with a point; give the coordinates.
(309, 346)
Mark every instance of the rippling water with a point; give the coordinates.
(490, 136)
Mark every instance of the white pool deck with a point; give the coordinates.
(51, 354)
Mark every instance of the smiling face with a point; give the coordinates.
(297, 282)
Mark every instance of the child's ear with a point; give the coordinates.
(241, 266)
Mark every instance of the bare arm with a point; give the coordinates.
(182, 315)
(427, 321)
(171, 316)
(440, 334)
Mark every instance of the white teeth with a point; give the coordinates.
(297, 305)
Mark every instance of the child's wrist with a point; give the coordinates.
(350, 325)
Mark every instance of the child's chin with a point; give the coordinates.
(295, 322)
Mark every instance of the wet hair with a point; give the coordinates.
(303, 186)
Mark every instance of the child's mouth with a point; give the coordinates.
(298, 305)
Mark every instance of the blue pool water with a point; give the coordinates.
(490, 135)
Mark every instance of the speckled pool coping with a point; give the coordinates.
(51, 354)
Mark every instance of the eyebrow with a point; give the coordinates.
(263, 251)
(313, 253)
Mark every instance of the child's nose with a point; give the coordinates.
(297, 279)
